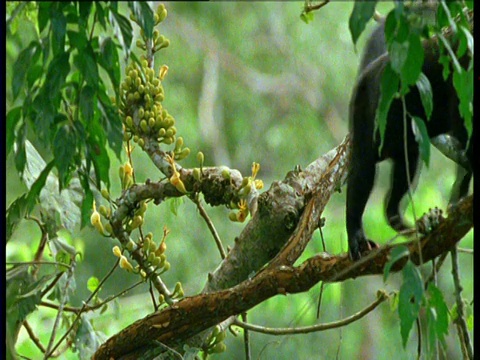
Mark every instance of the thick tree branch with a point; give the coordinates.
(272, 231)
(194, 314)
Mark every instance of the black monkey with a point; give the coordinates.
(445, 119)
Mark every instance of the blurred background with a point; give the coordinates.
(252, 82)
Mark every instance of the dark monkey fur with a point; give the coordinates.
(445, 119)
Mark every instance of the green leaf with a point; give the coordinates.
(64, 150)
(16, 211)
(43, 15)
(437, 316)
(426, 96)
(307, 17)
(50, 200)
(93, 283)
(87, 203)
(407, 59)
(144, 15)
(396, 254)
(122, 25)
(422, 138)
(26, 58)
(111, 122)
(59, 28)
(410, 297)
(463, 83)
(33, 74)
(86, 62)
(57, 73)
(77, 40)
(361, 14)
(13, 117)
(87, 103)
(388, 89)
(110, 62)
(97, 153)
(20, 155)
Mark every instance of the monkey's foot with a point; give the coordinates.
(363, 248)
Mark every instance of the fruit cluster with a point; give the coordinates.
(141, 105)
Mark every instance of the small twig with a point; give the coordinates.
(435, 269)
(41, 247)
(28, 263)
(464, 336)
(309, 8)
(320, 299)
(317, 327)
(210, 225)
(246, 339)
(85, 304)
(49, 351)
(33, 337)
(465, 251)
(87, 308)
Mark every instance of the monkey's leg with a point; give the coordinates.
(399, 187)
(361, 177)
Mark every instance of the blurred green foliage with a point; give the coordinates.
(249, 82)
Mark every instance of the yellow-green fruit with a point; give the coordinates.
(233, 216)
(141, 113)
(130, 98)
(161, 132)
(144, 125)
(151, 122)
(146, 244)
(183, 154)
(140, 44)
(149, 235)
(151, 257)
(138, 81)
(127, 136)
(108, 228)
(200, 157)
(129, 121)
(141, 89)
(197, 175)
(135, 138)
(105, 194)
(152, 247)
(155, 34)
(156, 19)
(141, 143)
(156, 261)
(144, 63)
(159, 97)
(162, 15)
(179, 143)
(130, 245)
(168, 140)
(103, 210)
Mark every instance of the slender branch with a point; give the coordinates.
(381, 297)
(210, 225)
(464, 336)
